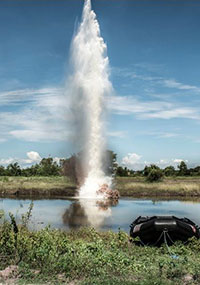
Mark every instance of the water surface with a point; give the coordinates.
(70, 213)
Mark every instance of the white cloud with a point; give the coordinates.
(172, 83)
(156, 80)
(40, 135)
(5, 161)
(131, 159)
(165, 135)
(32, 95)
(40, 115)
(168, 135)
(126, 105)
(33, 155)
(57, 159)
(44, 115)
(178, 160)
(119, 134)
(187, 113)
(32, 158)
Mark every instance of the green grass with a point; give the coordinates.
(36, 185)
(127, 186)
(170, 186)
(89, 257)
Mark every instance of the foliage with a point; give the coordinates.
(124, 171)
(26, 217)
(46, 167)
(148, 169)
(72, 168)
(13, 169)
(182, 169)
(154, 175)
(169, 171)
(91, 257)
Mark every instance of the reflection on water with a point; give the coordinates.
(75, 216)
(88, 213)
(104, 215)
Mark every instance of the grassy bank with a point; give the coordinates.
(88, 257)
(36, 186)
(170, 186)
(128, 186)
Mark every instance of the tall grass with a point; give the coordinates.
(35, 185)
(127, 186)
(175, 186)
(87, 257)
(90, 257)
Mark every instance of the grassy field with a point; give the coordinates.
(127, 186)
(170, 186)
(89, 257)
(36, 186)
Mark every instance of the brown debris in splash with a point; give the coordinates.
(108, 193)
(105, 204)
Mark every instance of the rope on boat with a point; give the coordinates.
(165, 235)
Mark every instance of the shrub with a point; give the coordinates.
(154, 175)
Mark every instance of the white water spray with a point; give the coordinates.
(89, 85)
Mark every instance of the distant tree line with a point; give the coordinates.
(72, 167)
(46, 167)
(155, 173)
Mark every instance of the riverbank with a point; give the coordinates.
(168, 187)
(127, 186)
(50, 186)
(89, 257)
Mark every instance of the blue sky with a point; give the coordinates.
(154, 53)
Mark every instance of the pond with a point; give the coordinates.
(71, 213)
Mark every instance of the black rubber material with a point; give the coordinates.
(150, 229)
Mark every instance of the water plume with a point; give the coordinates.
(89, 86)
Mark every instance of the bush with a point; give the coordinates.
(155, 175)
(170, 171)
(90, 257)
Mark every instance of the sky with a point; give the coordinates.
(154, 54)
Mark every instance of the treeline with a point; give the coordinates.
(155, 173)
(49, 167)
(46, 167)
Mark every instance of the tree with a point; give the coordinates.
(154, 175)
(120, 171)
(183, 170)
(169, 171)
(195, 171)
(30, 171)
(48, 167)
(13, 169)
(148, 169)
(124, 171)
(2, 171)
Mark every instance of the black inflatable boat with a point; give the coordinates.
(158, 229)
